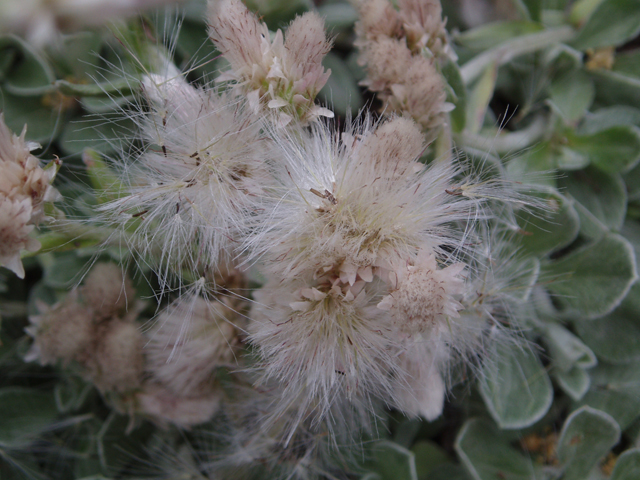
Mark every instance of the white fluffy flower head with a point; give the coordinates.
(199, 175)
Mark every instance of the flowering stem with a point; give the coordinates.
(514, 48)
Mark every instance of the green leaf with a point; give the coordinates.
(43, 123)
(572, 94)
(601, 193)
(609, 117)
(390, 461)
(591, 282)
(627, 466)
(448, 471)
(26, 412)
(428, 456)
(546, 231)
(493, 34)
(104, 134)
(64, 271)
(615, 389)
(621, 84)
(487, 456)
(611, 24)
(613, 150)
(575, 382)
(456, 94)
(30, 75)
(515, 387)
(341, 92)
(106, 184)
(566, 350)
(588, 434)
(338, 16)
(479, 97)
(616, 337)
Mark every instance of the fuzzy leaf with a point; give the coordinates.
(602, 194)
(544, 232)
(515, 387)
(487, 456)
(616, 337)
(341, 92)
(566, 350)
(493, 34)
(338, 16)
(572, 94)
(627, 466)
(456, 94)
(575, 382)
(64, 271)
(613, 150)
(31, 75)
(593, 281)
(390, 461)
(26, 412)
(588, 434)
(621, 84)
(609, 117)
(428, 456)
(616, 391)
(479, 97)
(43, 122)
(611, 24)
(103, 135)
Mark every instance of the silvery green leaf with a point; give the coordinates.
(613, 150)
(627, 466)
(43, 123)
(493, 34)
(591, 228)
(615, 389)
(593, 281)
(104, 134)
(515, 387)
(456, 94)
(428, 456)
(621, 84)
(616, 337)
(480, 94)
(601, 193)
(575, 382)
(64, 271)
(566, 350)
(390, 461)
(546, 231)
(572, 94)
(611, 24)
(609, 117)
(448, 471)
(338, 16)
(341, 91)
(587, 435)
(26, 412)
(487, 456)
(31, 75)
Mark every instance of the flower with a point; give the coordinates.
(41, 21)
(363, 247)
(200, 173)
(191, 338)
(24, 189)
(284, 74)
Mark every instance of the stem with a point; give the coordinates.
(506, 142)
(514, 48)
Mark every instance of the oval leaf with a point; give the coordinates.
(587, 435)
(593, 281)
(515, 387)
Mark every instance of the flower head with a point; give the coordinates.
(285, 73)
(24, 189)
(198, 176)
(364, 247)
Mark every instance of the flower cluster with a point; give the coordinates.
(401, 50)
(283, 74)
(24, 189)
